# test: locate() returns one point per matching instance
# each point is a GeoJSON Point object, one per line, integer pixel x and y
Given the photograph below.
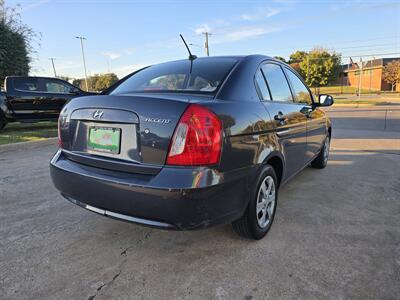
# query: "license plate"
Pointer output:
{"type": "Point", "coordinates": [104, 139]}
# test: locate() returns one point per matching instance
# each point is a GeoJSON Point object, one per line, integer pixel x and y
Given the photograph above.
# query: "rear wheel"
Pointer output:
{"type": "Point", "coordinates": [321, 160]}
{"type": "Point", "coordinates": [259, 215]}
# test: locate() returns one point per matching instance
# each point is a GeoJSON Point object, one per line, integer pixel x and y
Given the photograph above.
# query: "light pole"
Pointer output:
{"type": "Point", "coordinates": [54, 68]}
{"type": "Point", "coordinates": [108, 66]}
{"type": "Point", "coordinates": [81, 38]}
{"type": "Point", "coordinates": [360, 78]}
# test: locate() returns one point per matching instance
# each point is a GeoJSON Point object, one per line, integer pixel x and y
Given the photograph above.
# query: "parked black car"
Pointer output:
{"type": "Point", "coordinates": [30, 99]}
{"type": "Point", "coordinates": [192, 143]}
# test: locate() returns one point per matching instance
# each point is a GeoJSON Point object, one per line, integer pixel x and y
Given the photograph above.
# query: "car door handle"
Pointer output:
{"type": "Point", "coordinates": [280, 117]}
{"type": "Point", "coordinates": [307, 111]}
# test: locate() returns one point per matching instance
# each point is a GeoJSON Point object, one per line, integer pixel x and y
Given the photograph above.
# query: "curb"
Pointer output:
{"type": "Point", "coordinates": [363, 104]}
{"type": "Point", "coordinates": [28, 145]}
{"type": "Point", "coordinates": [351, 105]}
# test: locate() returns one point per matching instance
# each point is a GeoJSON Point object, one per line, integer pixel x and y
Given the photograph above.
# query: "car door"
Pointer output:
{"type": "Point", "coordinates": [25, 95]}
{"type": "Point", "coordinates": [289, 117]}
{"type": "Point", "coordinates": [316, 121]}
{"type": "Point", "coordinates": [58, 93]}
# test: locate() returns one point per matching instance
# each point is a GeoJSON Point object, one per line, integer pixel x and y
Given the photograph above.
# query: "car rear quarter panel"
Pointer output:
{"type": "Point", "coordinates": [249, 137]}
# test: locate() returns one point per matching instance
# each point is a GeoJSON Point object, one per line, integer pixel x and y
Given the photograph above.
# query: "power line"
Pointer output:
{"type": "Point", "coordinates": [338, 42]}
{"type": "Point", "coordinates": [367, 55]}
{"type": "Point", "coordinates": [366, 51]}
{"type": "Point", "coordinates": [367, 40]}
{"type": "Point", "coordinates": [349, 56]}
{"type": "Point", "coordinates": [366, 46]}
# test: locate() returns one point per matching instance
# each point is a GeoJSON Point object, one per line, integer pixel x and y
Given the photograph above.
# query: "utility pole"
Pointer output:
{"type": "Point", "coordinates": [206, 43]}
{"type": "Point", "coordinates": [360, 78]}
{"type": "Point", "coordinates": [54, 68]}
{"type": "Point", "coordinates": [81, 38]}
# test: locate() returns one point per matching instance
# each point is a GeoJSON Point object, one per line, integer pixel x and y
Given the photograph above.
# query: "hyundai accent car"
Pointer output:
{"type": "Point", "coordinates": [192, 143]}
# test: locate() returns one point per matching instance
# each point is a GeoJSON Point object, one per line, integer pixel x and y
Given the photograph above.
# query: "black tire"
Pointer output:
{"type": "Point", "coordinates": [321, 160]}
{"type": "Point", "coordinates": [248, 225]}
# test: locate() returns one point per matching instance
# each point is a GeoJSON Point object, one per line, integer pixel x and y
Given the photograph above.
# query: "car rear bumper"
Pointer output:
{"type": "Point", "coordinates": [175, 198]}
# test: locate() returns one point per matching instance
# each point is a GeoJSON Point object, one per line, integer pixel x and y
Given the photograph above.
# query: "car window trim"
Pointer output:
{"type": "Point", "coordinates": [258, 88]}
{"type": "Point", "coordinates": [26, 91]}
{"type": "Point", "coordinates": [266, 83]}
{"type": "Point", "coordinates": [39, 92]}
{"type": "Point", "coordinates": [286, 69]}
{"type": "Point", "coordinates": [220, 88]}
{"type": "Point", "coordinates": [41, 85]}
{"type": "Point", "coordinates": [268, 61]}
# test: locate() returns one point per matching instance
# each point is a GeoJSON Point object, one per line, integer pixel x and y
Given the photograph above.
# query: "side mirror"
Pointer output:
{"type": "Point", "coordinates": [325, 100]}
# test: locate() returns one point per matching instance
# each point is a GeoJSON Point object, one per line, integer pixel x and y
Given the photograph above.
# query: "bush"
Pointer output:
{"type": "Point", "coordinates": [15, 43]}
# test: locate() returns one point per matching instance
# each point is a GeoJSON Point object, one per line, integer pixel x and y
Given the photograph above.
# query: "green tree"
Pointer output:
{"type": "Point", "coordinates": [16, 40]}
{"type": "Point", "coordinates": [320, 67]}
{"type": "Point", "coordinates": [105, 80]}
{"type": "Point", "coordinates": [96, 82]}
{"type": "Point", "coordinates": [66, 78]}
{"type": "Point", "coordinates": [91, 82]}
{"type": "Point", "coordinates": [296, 66]}
{"type": "Point", "coordinates": [391, 73]}
{"type": "Point", "coordinates": [280, 58]}
{"type": "Point", "coordinates": [297, 57]}
{"type": "Point", "coordinates": [77, 82]}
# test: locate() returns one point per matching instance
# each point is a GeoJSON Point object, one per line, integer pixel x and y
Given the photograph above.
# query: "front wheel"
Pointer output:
{"type": "Point", "coordinates": [321, 160]}
{"type": "Point", "coordinates": [259, 215]}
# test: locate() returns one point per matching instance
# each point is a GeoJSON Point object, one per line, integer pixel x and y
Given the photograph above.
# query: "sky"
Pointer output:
{"type": "Point", "coordinates": [122, 36]}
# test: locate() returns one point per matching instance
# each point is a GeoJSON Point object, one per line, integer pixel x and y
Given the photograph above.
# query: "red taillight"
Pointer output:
{"type": "Point", "coordinates": [60, 143]}
{"type": "Point", "coordinates": [197, 138]}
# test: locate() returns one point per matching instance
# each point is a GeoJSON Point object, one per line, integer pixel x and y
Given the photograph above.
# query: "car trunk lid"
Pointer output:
{"type": "Point", "coordinates": [128, 133]}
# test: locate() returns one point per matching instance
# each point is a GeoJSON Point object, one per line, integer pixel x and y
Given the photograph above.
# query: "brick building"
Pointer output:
{"type": "Point", "coordinates": [371, 77]}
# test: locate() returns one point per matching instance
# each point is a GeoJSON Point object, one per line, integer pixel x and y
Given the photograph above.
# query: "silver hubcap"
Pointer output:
{"type": "Point", "coordinates": [326, 150]}
{"type": "Point", "coordinates": [266, 201]}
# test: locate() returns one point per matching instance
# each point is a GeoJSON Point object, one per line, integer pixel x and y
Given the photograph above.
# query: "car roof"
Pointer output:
{"type": "Point", "coordinates": [237, 57]}
{"type": "Point", "coordinates": [42, 77]}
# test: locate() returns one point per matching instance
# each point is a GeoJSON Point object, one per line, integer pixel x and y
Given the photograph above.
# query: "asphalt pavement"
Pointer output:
{"type": "Point", "coordinates": [336, 234]}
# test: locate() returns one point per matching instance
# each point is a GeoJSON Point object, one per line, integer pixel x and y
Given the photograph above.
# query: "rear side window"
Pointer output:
{"type": "Point", "coordinates": [277, 82]}
{"type": "Point", "coordinates": [203, 76]}
{"type": "Point", "coordinates": [53, 86]}
{"type": "Point", "coordinates": [301, 92]}
{"type": "Point", "coordinates": [262, 86]}
{"type": "Point", "coordinates": [27, 84]}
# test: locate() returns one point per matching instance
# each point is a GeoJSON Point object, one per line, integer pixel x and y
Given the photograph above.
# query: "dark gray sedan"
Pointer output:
{"type": "Point", "coordinates": [192, 143]}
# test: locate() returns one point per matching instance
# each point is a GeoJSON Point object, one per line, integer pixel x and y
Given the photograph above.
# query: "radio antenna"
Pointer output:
{"type": "Point", "coordinates": [191, 56]}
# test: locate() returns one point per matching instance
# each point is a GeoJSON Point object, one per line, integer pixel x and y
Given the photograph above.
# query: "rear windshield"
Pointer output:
{"type": "Point", "coordinates": [204, 76]}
